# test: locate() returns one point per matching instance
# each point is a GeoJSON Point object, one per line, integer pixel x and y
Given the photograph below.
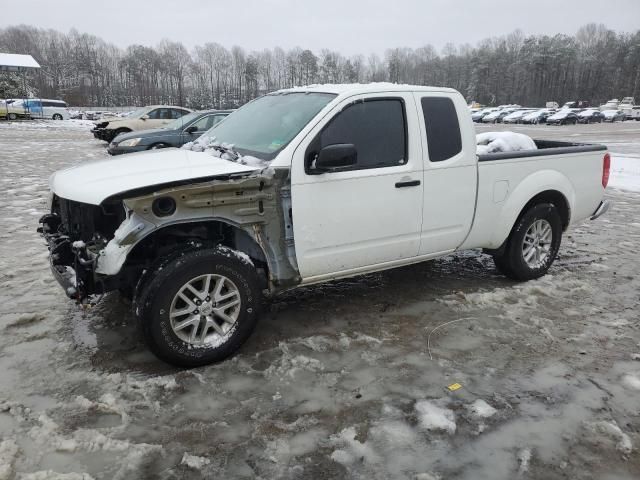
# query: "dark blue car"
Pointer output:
{"type": "Point", "coordinates": [175, 134]}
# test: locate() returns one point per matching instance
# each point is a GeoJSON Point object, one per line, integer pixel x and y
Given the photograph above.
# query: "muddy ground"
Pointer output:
{"type": "Point", "coordinates": [345, 380]}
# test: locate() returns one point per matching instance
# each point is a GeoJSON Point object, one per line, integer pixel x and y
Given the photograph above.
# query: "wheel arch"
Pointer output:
{"type": "Point", "coordinates": [545, 186]}
{"type": "Point", "coordinates": [196, 234]}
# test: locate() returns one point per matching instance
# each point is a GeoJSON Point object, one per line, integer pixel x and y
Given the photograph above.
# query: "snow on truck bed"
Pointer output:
{"type": "Point", "coordinates": [495, 142]}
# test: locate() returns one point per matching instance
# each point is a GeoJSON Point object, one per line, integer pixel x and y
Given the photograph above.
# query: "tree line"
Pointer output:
{"type": "Point", "coordinates": [595, 64]}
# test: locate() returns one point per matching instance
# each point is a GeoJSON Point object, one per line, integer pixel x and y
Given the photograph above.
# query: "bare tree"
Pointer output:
{"type": "Point", "coordinates": [595, 64]}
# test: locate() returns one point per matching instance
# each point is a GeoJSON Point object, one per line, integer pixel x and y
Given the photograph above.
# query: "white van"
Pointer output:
{"type": "Point", "coordinates": [44, 108]}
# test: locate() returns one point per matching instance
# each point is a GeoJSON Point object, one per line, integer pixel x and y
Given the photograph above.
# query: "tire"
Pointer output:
{"type": "Point", "coordinates": [57, 116]}
{"type": "Point", "coordinates": [12, 116]}
{"type": "Point", "coordinates": [119, 131]}
{"type": "Point", "coordinates": [512, 261]}
{"type": "Point", "coordinates": [156, 146]}
{"type": "Point", "coordinates": [170, 320]}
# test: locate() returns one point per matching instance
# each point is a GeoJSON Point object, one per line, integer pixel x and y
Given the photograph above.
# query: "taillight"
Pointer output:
{"type": "Point", "coordinates": [606, 166]}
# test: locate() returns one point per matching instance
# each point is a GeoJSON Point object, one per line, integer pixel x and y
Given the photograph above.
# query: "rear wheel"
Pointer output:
{"type": "Point", "coordinates": [57, 116]}
{"type": "Point", "coordinates": [12, 116]}
{"type": "Point", "coordinates": [200, 307]}
{"type": "Point", "coordinates": [532, 245]}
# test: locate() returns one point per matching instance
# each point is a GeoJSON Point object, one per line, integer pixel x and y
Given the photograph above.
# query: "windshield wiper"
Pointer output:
{"type": "Point", "coordinates": [226, 148]}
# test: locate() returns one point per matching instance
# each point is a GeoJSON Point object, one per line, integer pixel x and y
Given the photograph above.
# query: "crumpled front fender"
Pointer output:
{"type": "Point", "coordinates": [130, 232]}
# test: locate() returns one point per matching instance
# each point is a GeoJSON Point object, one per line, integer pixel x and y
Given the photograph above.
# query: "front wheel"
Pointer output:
{"type": "Point", "coordinates": [12, 116]}
{"type": "Point", "coordinates": [157, 146]}
{"type": "Point", "coordinates": [57, 116]}
{"type": "Point", "coordinates": [532, 245]}
{"type": "Point", "coordinates": [200, 307]}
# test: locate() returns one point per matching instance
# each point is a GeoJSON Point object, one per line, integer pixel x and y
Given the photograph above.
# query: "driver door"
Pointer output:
{"type": "Point", "coordinates": [370, 213]}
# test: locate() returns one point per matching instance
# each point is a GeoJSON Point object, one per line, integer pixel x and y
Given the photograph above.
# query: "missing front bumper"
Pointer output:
{"type": "Point", "coordinates": [70, 263]}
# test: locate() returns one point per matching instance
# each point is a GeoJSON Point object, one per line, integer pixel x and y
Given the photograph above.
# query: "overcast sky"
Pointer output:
{"type": "Point", "coordinates": [349, 26]}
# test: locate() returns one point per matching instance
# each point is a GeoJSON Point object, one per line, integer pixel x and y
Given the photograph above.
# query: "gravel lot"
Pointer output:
{"type": "Point", "coordinates": [345, 380]}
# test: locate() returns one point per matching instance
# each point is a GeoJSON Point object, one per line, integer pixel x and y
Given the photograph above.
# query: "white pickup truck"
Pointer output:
{"type": "Point", "coordinates": [303, 186]}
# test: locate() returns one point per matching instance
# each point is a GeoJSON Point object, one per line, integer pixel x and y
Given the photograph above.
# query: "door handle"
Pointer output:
{"type": "Point", "coordinates": [409, 183]}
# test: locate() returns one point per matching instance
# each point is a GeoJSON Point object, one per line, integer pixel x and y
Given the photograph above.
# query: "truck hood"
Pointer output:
{"type": "Point", "coordinates": [111, 121]}
{"type": "Point", "coordinates": [94, 181]}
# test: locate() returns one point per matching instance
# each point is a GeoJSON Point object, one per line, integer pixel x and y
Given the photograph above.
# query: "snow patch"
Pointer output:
{"type": "Point", "coordinates": [289, 365]}
{"type": "Point", "coordinates": [625, 173]}
{"type": "Point", "coordinates": [631, 381]}
{"type": "Point", "coordinates": [8, 454]}
{"type": "Point", "coordinates": [194, 462]}
{"type": "Point", "coordinates": [481, 409]}
{"type": "Point", "coordinates": [426, 476]}
{"type": "Point", "coordinates": [230, 252]}
{"type": "Point", "coordinates": [495, 142]}
{"type": "Point", "coordinates": [224, 151]}
{"type": "Point", "coordinates": [51, 475]}
{"type": "Point", "coordinates": [612, 431]}
{"type": "Point", "coordinates": [433, 417]}
{"type": "Point", "coordinates": [524, 457]}
{"type": "Point", "coordinates": [352, 449]}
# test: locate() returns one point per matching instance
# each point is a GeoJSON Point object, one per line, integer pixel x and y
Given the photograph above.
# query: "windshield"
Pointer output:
{"type": "Point", "coordinates": [138, 113]}
{"type": "Point", "coordinates": [182, 121]}
{"type": "Point", "coordinates": [265, 126]}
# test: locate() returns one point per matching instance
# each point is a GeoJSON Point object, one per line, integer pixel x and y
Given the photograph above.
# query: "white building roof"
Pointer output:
{"type": "Point", "coordinates": [13, 62]}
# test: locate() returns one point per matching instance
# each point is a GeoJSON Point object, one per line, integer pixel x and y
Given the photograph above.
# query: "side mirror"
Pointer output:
{"type": "Point", "coordinates": [144, 117]}
{"type": "Point", "coordinates": [191, 129]}
{"type": "Point", "coordinates": [333, 157]}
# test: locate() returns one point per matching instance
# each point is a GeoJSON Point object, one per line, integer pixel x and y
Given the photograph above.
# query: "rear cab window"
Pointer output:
{"type": "Point", "coordinates": [377, 127]}
{"type": "Point", "coordinates": [442, 128]}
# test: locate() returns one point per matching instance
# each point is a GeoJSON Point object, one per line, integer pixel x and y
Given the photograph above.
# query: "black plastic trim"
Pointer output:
{"type": "Point", "coordinates": [545, 147]}
{"type": "Point", "coordinates": [409, 183]}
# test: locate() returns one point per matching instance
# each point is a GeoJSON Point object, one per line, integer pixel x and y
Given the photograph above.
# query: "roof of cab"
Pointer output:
{"type": "Point", "coordinates": [359, 88]}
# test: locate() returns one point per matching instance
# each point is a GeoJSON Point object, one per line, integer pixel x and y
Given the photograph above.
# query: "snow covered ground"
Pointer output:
{"type": "Point", "coordinates": [345, 380]}
{"type": "Point", "coordinates": [625, 173]}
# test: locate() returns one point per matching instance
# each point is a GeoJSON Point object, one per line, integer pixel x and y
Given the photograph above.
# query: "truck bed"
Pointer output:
{"type": "Point", "coordinates": [545, 147]}
{"type": "Point", "coordinates": [507, 180]}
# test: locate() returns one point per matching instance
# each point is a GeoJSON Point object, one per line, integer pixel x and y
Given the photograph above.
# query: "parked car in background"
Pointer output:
{"type": "Point", "coordinates": [44, 108]}
{"type": "Point", "coordinates": [92, 114]}
{"type": "Point", "coordinates": [175, 134]}
{"type": "Point", "coordinates": [516, 117]}
{"type": "Point", "coordinates": [563, 117]}
{"type": "Point", "coordinates": [634, 113]}
{"type": "Point", "coordinates": [590, 115]}
{"type": "Point", "coordinates": [479, 115]}
{"type": "Point", "coordinates": [630, 109]}
{"type": "Point", "coordinates": [612, 104]}
{"type": "Point", "coordinates": [614, 116]}
{"type": "Point", "coordinates": [498, 115]}
{"type": "Point", "coordinates": [154, 116]}
{"type": "Point", "coordinates": [537, 116]}
{"type": "Point", "coordinates": [576, 104]}
{"type": "Point", "coordinates": [9, 111]}
{"type": "Point", "coordinates": [552, 105]}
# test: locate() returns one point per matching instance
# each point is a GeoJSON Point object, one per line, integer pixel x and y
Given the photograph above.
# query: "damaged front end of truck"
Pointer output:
{"type": "Point", "coordinates": [95, 249]}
